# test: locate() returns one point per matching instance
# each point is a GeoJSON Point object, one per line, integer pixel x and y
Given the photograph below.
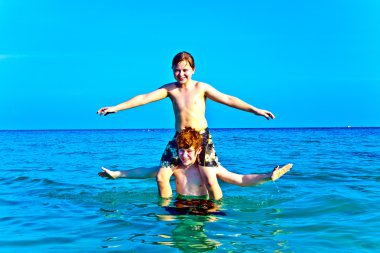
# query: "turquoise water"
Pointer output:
{"type": "Point", "coordinates": [51, 199]}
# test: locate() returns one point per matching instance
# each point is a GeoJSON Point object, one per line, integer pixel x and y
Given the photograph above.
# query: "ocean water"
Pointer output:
{"type": "Point", "coordinates": [51, 199]}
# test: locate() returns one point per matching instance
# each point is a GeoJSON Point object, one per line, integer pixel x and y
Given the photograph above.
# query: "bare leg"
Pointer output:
{"type": "Point", "coordinates": [209, 177]}
{"type": "Point", "coordinates": [163, 182]}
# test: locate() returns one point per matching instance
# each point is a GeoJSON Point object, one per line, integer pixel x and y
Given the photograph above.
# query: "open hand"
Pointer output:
{"type": "Point", "coordinates": [279, 172]}
{"type": "Point", "coordinates": [267, 114]}
{"type": "Point", "coordinates": [105, 110]}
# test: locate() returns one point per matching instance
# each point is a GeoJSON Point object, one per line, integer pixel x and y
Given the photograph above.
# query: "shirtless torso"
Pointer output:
{"type": "Point", "coordinates": [189, 181]}
{"type": "Point", "coordinates": [189, 105]}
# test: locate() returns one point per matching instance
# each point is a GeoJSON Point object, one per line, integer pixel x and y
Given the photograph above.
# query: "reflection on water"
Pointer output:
{"type": "Point", "coordinates": [189, 233]}
{"type": "Point", "coordinates": [195, 226]}
{"type": "Point", "coordinates": [190, 217]}
{"type": "Point", "coordinates": [182, 224]}
{"type": "Point", "coordinates": [195, 207]}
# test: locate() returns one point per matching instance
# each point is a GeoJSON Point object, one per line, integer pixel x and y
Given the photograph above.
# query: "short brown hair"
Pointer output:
{"type": "Point", "coordinates": [183, 56]}
{"type": "Point", "coordinates": [188, 138]}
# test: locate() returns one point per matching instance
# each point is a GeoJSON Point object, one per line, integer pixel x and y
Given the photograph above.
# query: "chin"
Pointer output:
{"type": "Point", "coordinates": [186, 163]}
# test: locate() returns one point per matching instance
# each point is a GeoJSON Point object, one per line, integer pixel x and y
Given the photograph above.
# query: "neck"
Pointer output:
{"type": "Point", "coordinates": [183, 85]}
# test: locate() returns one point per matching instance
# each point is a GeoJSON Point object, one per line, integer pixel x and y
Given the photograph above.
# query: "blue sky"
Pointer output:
{"type": "Point", "coordinates": [312, 63]}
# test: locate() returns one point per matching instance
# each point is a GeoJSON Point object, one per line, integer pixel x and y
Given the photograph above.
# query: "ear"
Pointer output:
{"type": "Point", "coordinates": [199, 150]}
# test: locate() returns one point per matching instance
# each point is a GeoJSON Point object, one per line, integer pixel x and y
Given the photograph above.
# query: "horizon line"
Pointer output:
{"type": "Point", "coordinates": [104, 129]}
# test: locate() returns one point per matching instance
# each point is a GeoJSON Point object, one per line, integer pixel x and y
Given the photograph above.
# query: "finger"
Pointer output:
{"type": "Point", "coordinates": [102, 111]}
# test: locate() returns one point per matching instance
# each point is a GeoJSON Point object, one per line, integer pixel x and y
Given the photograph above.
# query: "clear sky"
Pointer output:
{"type": "Point", "coordinates": [312, 63]}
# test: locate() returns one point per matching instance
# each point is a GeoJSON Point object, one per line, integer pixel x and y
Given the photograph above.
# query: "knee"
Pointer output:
{"type": "Point", "coordinates": [161, 176]}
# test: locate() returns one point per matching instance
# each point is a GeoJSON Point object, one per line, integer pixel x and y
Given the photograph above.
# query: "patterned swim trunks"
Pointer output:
{"type": "Point", "coordinates": [206, 158]}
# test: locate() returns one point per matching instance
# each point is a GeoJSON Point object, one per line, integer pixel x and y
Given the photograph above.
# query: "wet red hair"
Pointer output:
{"type": "Point", "coordinates": [188, 138]}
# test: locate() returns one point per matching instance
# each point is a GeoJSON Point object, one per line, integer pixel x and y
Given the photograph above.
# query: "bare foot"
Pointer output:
{"type": "Point", "coordinates": [279, 172]}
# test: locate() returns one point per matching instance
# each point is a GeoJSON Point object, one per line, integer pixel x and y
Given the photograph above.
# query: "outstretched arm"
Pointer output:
{"type": "Point", "coordinates": [235, 102]}
{"type": "Point", "coordinates": [251, 179]}
{"type": "Point", "coordinates": [139, 173]}
{"type": "Point", "coordinates": [139, 100]}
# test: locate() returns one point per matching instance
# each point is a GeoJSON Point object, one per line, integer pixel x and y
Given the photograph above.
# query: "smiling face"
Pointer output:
{"type": "Point", "coordinates": [183, 72]}
{"type": "Point", "coordinates": [188, 156]}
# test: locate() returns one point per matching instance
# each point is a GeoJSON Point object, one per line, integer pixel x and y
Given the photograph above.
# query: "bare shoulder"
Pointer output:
{"type": "Point", "coordinates": [204, 86]}
{"type": "Point", "coordinates": [211, 92]}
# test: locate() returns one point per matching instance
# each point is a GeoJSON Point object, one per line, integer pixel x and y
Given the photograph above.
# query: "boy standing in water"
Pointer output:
{"type": "Point", "coordinates": [189, 104]}
{"type": "Point", "coordinates": [189, 182]}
